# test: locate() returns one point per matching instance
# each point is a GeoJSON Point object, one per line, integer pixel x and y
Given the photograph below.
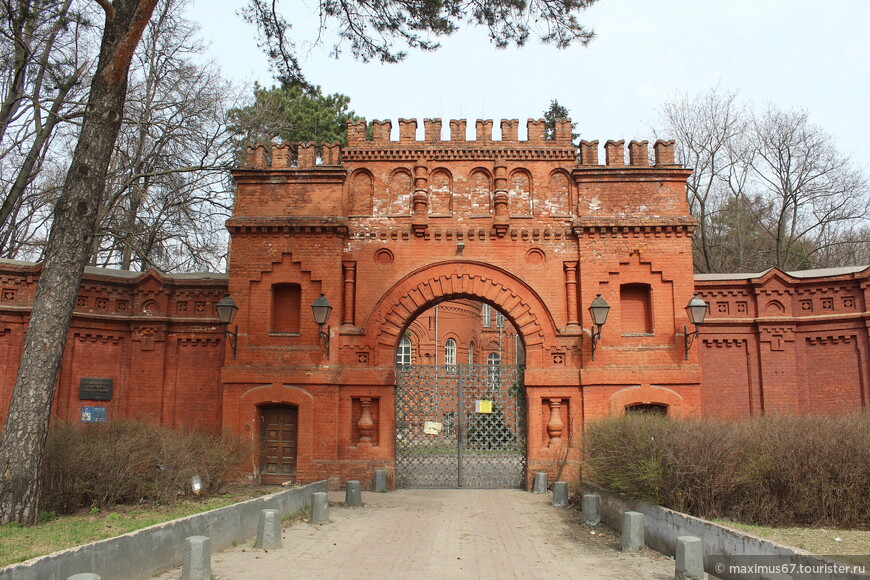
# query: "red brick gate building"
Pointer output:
{"type": "Point", "coordinates": [386, 230]}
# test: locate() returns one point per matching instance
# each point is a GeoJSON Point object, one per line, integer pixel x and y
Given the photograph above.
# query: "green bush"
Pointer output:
{"type": "Point", "coordinates": [773, 470]}
{"type": "Point", "coordinates": [103, 464]}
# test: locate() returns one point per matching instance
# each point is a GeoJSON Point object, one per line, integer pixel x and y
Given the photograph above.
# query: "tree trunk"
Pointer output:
{"type": "Point", "coordinates": [69, 244]}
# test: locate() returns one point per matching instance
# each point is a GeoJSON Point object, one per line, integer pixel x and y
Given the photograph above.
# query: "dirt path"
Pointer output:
{"type": "Point", "coordinates": [433, 534]}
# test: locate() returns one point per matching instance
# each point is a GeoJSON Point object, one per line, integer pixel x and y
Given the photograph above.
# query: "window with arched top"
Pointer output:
{"type": "Point", "coordinates": [471, 353]}
{"type": "Point", "coordinates": [519, 351]}
{"type": "Point", "coordinates": [403, 354]}
{"type": "Point", "coordinates": [450, 352]}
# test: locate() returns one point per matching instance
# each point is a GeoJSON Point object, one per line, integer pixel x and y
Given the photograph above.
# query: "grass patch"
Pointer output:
{"type": "Point", "coordinates": [845, 544]}
{"type": "Point", "coordinates": [18, 543]}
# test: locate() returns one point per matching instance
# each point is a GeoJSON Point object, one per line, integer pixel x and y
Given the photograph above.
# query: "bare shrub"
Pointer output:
{"type": "Point", "coordinates": [126, 461]}
{"type": "Point", "coordinates": [772, 470]}
{"type": "Point", "coordinates": [684, 465]}
{"type": "Point", "coordinates": [805, 470]}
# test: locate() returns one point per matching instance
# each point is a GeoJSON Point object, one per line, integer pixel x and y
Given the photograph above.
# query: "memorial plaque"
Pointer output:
{"type": "Point", "coordinates": [91, 389]}
{"type": "Point", "coordinates": [94, 414]}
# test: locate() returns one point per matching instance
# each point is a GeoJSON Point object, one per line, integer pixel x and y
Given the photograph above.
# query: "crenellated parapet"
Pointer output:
{"type": "Point", "coordinates": [382, 131]}
{"type": "Point", "coordinates": [293, 156]}
{"type": "Point", "coordinates": [374, 141]}
{"type": "Point", "coordinates": [638, 154]}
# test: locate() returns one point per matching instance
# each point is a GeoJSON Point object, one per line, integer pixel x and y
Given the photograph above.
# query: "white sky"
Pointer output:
{"type": "Point", "coordinates": [794, 53]}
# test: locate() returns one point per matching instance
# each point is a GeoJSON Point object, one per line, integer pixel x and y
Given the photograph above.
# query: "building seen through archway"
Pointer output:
{"type": "Point", "coordinates": [460, 399]}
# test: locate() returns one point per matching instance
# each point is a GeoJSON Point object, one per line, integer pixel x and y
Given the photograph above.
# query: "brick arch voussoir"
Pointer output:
{"type": "Point", "coordinates": [421, 289]}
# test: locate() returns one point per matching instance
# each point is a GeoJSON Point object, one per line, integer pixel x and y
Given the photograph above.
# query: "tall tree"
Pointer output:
{"type": "Point", "coordinates": [168, 194]}
{"type": "Point", "coordinates": [709, 130]}
{"type": "Point", "coordinates": [73, 227]}
{"type": "Point", "coordinates": [814, 189]}
{"type": "Point", "coordinates": [768, 189]}
{"type": "Point", "coordinates": [370, 28]}
{"type": "Point", "coordinates": [48, 46]}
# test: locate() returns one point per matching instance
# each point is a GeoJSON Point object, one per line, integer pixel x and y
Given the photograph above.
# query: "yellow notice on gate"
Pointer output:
{"type": "Point", "coordinates": [482, 406]}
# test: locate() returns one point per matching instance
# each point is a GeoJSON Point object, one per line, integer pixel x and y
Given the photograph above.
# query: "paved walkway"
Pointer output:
{"type": "Point", "coordinates": [434, 534]}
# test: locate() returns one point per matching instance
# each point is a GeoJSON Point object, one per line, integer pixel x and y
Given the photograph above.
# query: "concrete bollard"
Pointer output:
{"type": "Point", "coordinates": [84, 576]}
{"type": "Point", "coordinates": [591, 505]}
{"type": "Point", "coordinates": [560, 494]}
{"type": "Point", "coordinates": [632, 531]}
{"type": "Point", "coordinates": [689, 559]}
{"type": "Point", "coordinates": [319, 507]}
{"type": "Point", "coordinates": [380, 483]}
{"type": "Point", "coordinates": [353, 493]}
{"type": "Point", "coordinates": [540, 485]}
{"type": "Point", "coordinates": [197, 558]}
{"type": "Point", "coordinates": [269, 530]}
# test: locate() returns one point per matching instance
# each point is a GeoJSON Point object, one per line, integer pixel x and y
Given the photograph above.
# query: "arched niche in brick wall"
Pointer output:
{"type": "Point", "coordinates": [440, 192]}
{"type": "Point", "coordinates": [646, 395]}
{"type": "Point", "coordinates": [437, 283]}
{"type": "Point", "coordinates": [480, 192]}
{"type": "Point", "coordinates": [520, 193]}
{"type": "Point", "coordinates": [401, 184]}
{"type": "Point", "coordinates": [558, 200]}
{"type": "Point", "coordinates": [361, 194]}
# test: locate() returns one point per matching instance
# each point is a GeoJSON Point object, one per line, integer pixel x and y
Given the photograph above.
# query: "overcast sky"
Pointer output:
{"type": "Point", "coordinates": [794, 53]}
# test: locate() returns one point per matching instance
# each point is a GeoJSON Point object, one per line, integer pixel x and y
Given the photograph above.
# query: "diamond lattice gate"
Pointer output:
{"type": "Point", "coordinates": [460, 426]}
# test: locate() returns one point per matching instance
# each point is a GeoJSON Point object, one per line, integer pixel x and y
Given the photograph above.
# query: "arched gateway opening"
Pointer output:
{"type": "Point", "coordinates": [460, 424]}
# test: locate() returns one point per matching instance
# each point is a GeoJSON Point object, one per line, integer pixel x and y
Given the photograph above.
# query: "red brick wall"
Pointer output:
{"type": "Point", "coordinates": [781, 343]}
{"type": "Point", "coordinates": [156, 337]}
{"type": "Point", "coordinates": [517, 224]}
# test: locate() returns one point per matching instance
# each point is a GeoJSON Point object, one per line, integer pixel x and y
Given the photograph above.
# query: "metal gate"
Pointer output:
{"type": "Point", "coordinates": [460, 426]}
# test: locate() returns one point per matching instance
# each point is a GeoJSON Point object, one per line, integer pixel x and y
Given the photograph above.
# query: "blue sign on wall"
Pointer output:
{"type": "Point", "coordinates": [94, 415]}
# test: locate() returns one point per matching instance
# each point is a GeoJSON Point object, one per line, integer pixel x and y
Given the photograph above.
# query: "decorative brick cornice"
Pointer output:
{"type": "Point", "coordinates": [633, 227]}
{"type": "Point", "coordinates": [831, 339]}
{"type": "Point", "coordinates": [290, 175]}
{"type": "Point", "coordinates": [286, 225]}
{"type": "Point", "coordinates": [604, 173]}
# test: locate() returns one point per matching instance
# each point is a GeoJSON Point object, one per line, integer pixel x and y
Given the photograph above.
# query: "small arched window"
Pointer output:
{"type": "Point", "coordinates": [471, 353]}
{"type": "Point", "coordinates": [403, 355]}
{"type": "Point", "coordinates": [450, 352]}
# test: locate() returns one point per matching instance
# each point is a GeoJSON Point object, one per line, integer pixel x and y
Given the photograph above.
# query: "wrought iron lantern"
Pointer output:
{"type": "Point", "coordinates": [598, 310]}
{"type": "Point", "coordinates": [697, 311]}
{"type": "Point", "coordinates": [226, 311]}
{"type": "Point", "coordinates": [321, 310]}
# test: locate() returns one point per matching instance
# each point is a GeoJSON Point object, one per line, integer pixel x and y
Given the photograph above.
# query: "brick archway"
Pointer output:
{"type": "Point", "coordinates": [442, 281]}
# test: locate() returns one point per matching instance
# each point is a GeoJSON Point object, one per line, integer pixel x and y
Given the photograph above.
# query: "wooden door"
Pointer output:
{"type": "Point", "coordinates": [278, 435]}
